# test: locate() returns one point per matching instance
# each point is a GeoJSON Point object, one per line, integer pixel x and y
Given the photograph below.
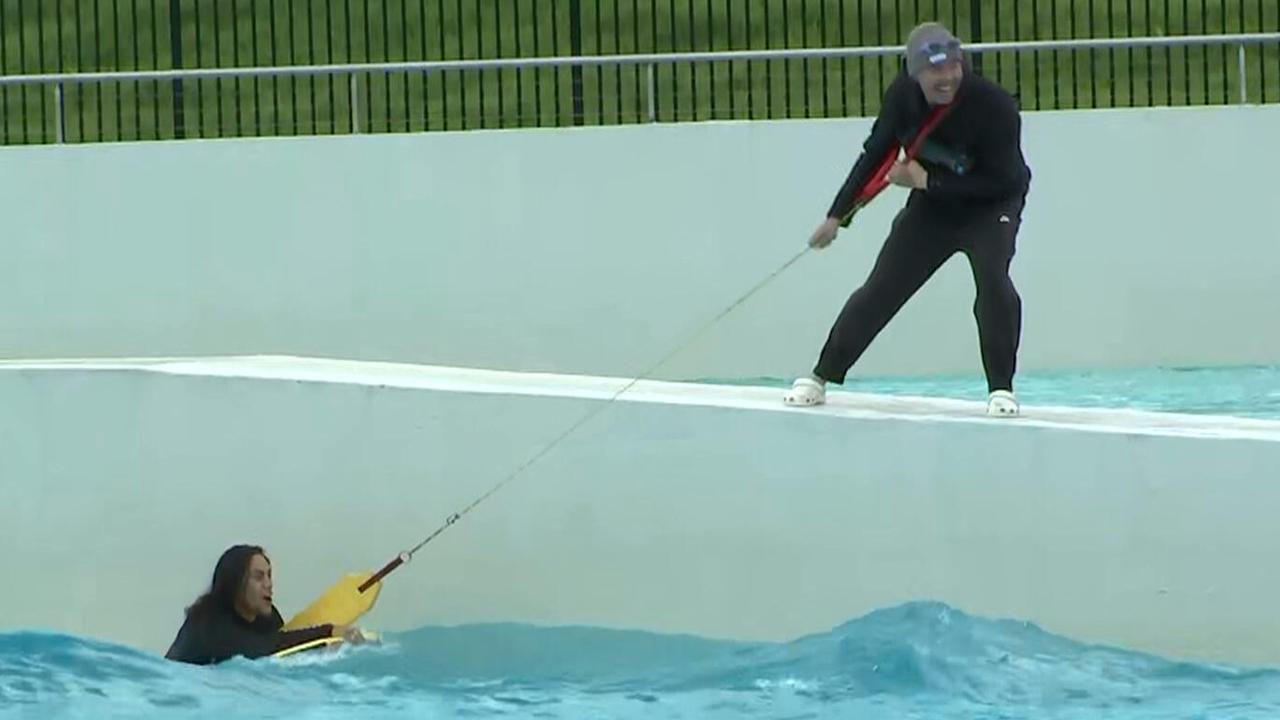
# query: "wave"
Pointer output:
{"type": "Point", "coordinates": [920, 657]}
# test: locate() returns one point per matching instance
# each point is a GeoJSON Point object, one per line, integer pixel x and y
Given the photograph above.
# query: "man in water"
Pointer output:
{"type": "Point", "coordinates": [968, 189]}
{"type": "Point", "coordinates": [237, 618]}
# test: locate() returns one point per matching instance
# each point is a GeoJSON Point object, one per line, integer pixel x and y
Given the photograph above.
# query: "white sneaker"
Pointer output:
{"type": "Point", "coordinates": [805, 392]}
{"type": "Point", "coordinates": [1002, 403]}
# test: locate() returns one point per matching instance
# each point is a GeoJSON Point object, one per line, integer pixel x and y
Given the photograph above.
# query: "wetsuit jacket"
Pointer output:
{"type": "Point", "coordinates": [222, 634]}
{"type": "Point", "coordinates": [973, 156]}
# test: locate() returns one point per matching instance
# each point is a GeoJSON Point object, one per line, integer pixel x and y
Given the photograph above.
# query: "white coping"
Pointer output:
{"type": "Point", "coordinates": [846, 405]}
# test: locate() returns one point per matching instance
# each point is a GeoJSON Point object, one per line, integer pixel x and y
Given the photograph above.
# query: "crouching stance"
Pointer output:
{"type": "Point", "coordinates": [969, 183]}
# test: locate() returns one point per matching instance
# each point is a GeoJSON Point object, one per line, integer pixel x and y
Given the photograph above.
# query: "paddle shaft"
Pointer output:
{"type": "Point", "coordinates": [399, 560]}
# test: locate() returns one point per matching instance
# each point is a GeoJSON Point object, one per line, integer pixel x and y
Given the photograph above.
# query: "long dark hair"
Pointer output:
{"type": "Point", "coordinates": [228, 580]}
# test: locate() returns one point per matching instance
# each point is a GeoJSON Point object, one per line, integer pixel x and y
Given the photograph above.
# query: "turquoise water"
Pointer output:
{"type": "Point", "coordinates": [918, 660]}
{"type": "Point", "coordinates": [1247, 391]}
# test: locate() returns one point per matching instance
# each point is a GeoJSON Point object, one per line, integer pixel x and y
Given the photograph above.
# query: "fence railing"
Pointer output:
{"type": "Point", "coordinates": [625, 88]}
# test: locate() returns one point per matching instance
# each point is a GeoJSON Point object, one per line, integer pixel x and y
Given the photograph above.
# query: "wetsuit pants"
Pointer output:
{"type": "Point", "coordinates": [919, 242]}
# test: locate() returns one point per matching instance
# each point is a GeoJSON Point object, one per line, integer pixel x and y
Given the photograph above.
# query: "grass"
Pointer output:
{"type": "Point", "coordinates": [93, 35]}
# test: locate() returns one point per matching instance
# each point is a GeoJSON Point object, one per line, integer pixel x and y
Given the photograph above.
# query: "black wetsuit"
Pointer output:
{"type": "Point", "coordinates": [223, 634]}
{"type": "Point", "coordinates": [978, 183]}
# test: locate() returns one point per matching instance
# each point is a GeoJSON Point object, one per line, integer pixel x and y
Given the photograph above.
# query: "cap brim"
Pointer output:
{"type": "Point", "coordinates": [943, 57]}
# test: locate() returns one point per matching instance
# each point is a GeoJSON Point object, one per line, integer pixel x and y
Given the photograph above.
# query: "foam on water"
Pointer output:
{"type": "Point", "coordinates": [920, 659]}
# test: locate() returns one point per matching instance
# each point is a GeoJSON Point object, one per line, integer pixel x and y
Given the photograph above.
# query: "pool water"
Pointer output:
{"type": "Point", "coordinates": [917, 660]}
{"type": "Point", "coordinates": [1241, 391]}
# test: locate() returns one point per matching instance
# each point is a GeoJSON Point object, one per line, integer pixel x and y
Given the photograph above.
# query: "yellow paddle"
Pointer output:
{"type": "Point", "coordinates": [347, 601]}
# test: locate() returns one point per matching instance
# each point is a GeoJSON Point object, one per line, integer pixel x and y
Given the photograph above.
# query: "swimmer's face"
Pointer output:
{"type": "Point", "coordinates": [256, 597]}
{"type": "Point", "coordinates": [941, 82]}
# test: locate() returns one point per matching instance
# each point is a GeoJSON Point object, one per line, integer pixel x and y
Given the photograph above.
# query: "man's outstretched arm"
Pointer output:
{"type": "Point", "coordinates": [879, 143]}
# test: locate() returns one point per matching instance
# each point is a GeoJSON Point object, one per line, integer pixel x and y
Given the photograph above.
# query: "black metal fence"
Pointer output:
{"type": "Point", "coordinates": [54, 36]}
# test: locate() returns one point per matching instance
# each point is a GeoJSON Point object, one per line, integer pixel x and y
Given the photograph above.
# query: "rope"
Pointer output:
{"type": "Point", "coordinates": [593, 412]}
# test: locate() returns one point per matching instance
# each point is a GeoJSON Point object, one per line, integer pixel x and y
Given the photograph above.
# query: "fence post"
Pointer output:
{"type": "Point", "coordinates": [575, 49]}
{"type": "Point", "coordinates": [355, 103]}
{"type": "Point", "coordinates": [652, 93]}
{"type": "Point", "coordinates": [975, 30]}
{"type": "Point", "coordinates": [175, 50]}
{"type": "Point", "coordinates": [59, 130]}
{"type": "Point", "coordinates": [1244, 78]}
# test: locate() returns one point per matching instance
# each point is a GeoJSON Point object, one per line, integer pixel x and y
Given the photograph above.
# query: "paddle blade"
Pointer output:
{"type": "Point", "coordinates": [341, 604]}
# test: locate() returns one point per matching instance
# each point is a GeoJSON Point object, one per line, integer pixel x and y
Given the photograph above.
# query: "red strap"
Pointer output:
{"type": "Point", "coordinates": [878, 181]}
